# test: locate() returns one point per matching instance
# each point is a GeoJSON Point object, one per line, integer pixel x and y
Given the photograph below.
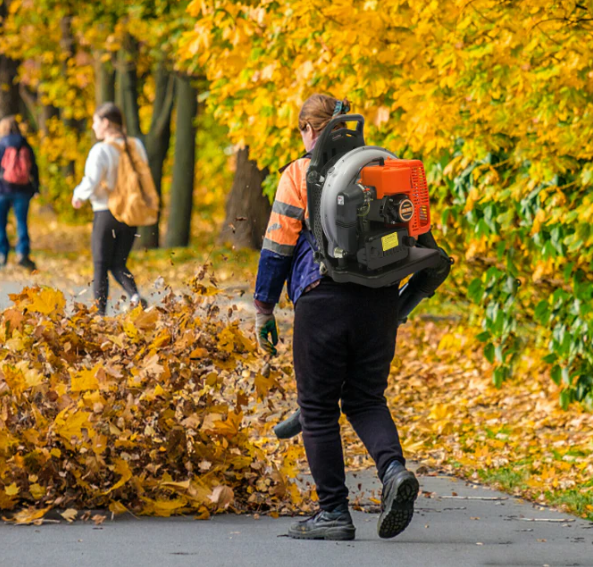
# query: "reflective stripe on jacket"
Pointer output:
{"type": "Point", "coordinates": [286, 253]}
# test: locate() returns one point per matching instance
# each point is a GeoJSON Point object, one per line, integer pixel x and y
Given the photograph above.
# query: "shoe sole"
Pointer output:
{"type": "Point", "coordinates": [399, 508]}
{"type": "Point", "coordinates": [334, 534]}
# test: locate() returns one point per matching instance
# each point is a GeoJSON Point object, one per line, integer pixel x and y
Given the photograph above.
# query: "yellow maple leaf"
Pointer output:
{"type": "Point", "coordinates": [71, 425]}
{"type": "Point", "coordinates": [47, 301]}
{"type": "Point", "coordinates": [120, 467]}
{"type": "Point", "coordinates": [117, 507]}
{"type": "Point", "coordinates": [12, 490]}
{"type": "Point", "coordinates": [85, 380]}
{"type": "Point", "coordinates": [69, 515]}
{"type": "Point", "coordinates": [162, 507]}
{"type": "Point", "coordinates": [29, 515]}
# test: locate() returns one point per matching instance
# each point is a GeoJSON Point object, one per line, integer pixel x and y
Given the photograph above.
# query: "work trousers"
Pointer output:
{"type": "Point", "coordinates": [111, 244]}
{"type": "Point", "coordinates": [344, 342]}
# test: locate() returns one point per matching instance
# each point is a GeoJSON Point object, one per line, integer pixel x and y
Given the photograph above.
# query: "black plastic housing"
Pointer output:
{"type": "Point", "coordinates": [330, 147]}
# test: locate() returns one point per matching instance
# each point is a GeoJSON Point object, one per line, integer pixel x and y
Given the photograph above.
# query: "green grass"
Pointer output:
{"type": "Point", "coordinates": [508, 478]}
{"type": "Point", "coordinates": [576, 501]}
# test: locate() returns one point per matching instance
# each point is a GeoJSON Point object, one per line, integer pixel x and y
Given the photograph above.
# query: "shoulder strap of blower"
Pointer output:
{"type": "Point", "coordinates": [287, 165]}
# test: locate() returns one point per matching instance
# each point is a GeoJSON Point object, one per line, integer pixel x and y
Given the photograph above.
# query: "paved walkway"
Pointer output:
{"type": "Point", "coordinates": [477, 527]}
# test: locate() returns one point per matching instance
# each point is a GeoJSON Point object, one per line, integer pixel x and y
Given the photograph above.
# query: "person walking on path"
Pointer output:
{"type": "Point", "coordinates": [111, 240]}
{"type": "Point", "coordinates": [19, 181]}
{"type": "Point", "coordinates": [344, 341]}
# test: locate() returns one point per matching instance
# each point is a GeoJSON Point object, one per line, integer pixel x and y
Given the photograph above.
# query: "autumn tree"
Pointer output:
{"type": "Point", "coordinates": [9, 94]}
{"type": "Point", "coordinates": [496, 98]}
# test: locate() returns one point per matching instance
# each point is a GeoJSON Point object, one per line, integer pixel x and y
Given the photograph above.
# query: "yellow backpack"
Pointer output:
{"type": "Point", "coordinates": [134, 200]}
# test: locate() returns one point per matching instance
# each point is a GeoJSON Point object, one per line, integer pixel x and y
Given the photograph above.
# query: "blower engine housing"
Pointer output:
{"type": "Point", "coordinates": [366, 209]}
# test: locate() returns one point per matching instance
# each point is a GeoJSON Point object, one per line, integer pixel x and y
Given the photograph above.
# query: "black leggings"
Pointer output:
{"type": "Point", "coordinates": [344, 341]}
{"type": "Point", "coordinates": [111, 243]}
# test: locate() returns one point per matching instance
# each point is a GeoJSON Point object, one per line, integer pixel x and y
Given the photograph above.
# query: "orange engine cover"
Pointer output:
{"type": "Point", "coordinates": [402, 176]}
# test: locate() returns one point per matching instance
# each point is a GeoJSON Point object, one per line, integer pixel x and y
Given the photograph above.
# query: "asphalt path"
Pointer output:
{"type": "Point", "coordinates": [455, 525]}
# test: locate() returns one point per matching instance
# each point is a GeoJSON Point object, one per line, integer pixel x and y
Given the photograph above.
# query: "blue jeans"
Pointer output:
{"type": "Point", "coordinates": [20, 203]}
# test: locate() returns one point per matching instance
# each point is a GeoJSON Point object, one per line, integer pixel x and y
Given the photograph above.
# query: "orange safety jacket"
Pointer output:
{"type": "Point", "coordinates": [287, 254]}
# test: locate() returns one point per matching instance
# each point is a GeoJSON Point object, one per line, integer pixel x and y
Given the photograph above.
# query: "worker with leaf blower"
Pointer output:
{"type": "Point", "coordinates": [348, 223]}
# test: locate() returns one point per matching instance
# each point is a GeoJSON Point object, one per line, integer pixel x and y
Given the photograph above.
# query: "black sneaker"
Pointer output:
{"type": "Point", "coordinates": [290, 427]}
{"type": "Point", "coordinates": [335, 525]}
{"type": "Point", "coordinates": [400, 490]}
{"type": "Point", "coordinates": [27, 263]}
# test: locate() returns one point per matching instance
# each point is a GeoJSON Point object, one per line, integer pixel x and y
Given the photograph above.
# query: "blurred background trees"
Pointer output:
{"type": "Point", "coordinates": [60, 59]}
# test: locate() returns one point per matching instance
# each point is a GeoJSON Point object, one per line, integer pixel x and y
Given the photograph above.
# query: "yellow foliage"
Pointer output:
{"type": "Point", "coordinates": [144, 412]}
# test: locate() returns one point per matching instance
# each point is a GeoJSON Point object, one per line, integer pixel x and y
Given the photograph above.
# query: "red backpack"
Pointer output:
{"type": "Point", "coordinates": [16, 165]}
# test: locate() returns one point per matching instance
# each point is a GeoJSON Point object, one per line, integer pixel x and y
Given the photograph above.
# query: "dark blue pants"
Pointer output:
{"type": "Point", "coordinates": [344, 342]}
{"type": "Point", "coordinates": [20, 203]}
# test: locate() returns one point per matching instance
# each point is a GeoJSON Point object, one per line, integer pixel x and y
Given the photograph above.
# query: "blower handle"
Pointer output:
{"type": "Point", "coordinates": [320, 154]}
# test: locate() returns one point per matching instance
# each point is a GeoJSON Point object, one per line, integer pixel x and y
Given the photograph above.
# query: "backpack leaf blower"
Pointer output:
{"type": "Point", "coordinates": [369, 215]}
{"type": "Point", "coordinates": [367, 209]}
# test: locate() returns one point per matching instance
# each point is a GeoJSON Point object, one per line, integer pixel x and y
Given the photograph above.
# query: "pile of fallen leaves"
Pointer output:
{"type": "Point", "coordinates": [151, 411]}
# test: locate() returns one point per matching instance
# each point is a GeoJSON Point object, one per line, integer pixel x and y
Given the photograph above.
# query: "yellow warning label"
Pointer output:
{"type": "Point", "coordinates": [390, 241]}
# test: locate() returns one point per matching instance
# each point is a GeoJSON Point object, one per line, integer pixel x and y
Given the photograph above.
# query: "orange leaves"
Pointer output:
{"type": "Point", "coordinates": [143, 412]}
{"type": "Point", "coordinates": [451, 417]}
{"type": "Point", "coordinates": [40, 300]}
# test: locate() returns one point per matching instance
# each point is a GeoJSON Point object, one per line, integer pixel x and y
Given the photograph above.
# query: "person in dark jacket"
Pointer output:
{"type": "Point", "coordinates": [344, 341]}
{"type": "Point", "coordinates": [19, 181]}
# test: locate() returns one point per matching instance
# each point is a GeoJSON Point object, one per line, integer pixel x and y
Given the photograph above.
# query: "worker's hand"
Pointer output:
{"type": "Point", "coordinates": [265, 326]}
{"type": "Point", "coordinates": [76, 203]}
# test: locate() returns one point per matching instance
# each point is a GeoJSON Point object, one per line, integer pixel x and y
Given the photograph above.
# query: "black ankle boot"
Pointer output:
{"type": "Point", "coordinates": [400, 490]}
{"type": "Point", "coordinates": [27, 263]}
{"type": "Point", "coordinates": [334, 525]}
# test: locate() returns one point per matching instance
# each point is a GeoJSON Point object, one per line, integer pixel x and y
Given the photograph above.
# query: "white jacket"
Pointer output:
{"type": "Point", "coordinates": [100, 173]}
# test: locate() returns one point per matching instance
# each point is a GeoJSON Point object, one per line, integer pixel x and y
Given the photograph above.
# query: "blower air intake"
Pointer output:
{"type": "Point", "coordinates": [366, 209]}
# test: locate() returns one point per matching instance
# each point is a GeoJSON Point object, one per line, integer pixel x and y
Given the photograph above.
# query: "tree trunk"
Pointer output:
{"type": "Point", "coordinates": [128, 87]}
{"type": "Point", "coordinates": [247, 210]}
{"type": "Point", "coordinates": [157, 143]}
{"type": "Point", "coordinates": [182, 189]}
{"type": "Point", "coordinates": [9, 89]}
{"type": "Point", "coordinates": [28, 107]}
{"type": "Point", "coordinates": [68, 47]}
{"type": "Point", "coordinates": [158, 138]}
{"type": "Point", "coordinates": [48, 111]}
{"type": "Point", "coordinates": [104, 80]}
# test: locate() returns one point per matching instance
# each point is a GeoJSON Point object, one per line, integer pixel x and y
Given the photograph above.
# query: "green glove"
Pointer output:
{"type": "Point", "coordinates": [265, 325]}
